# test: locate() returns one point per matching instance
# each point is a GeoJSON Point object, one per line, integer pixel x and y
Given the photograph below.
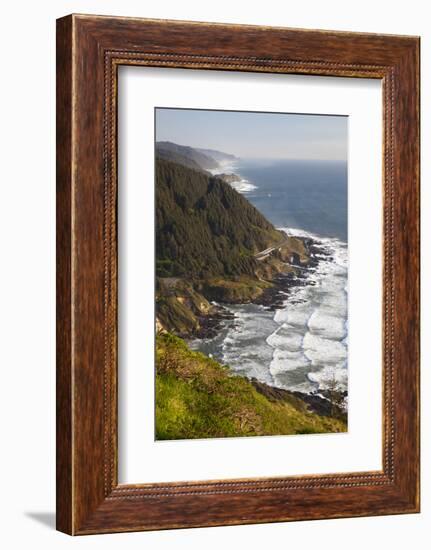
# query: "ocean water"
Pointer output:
{"type": "Point", "coordinates": [306, 195]}
{"type": "Point", "coordinates": [303, 345]}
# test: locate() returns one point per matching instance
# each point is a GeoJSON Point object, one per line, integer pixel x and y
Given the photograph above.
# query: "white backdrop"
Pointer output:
{"type": "Point", "coordinates": [27, 215]}
{"type": "Point", "coordinates": [141, 458]}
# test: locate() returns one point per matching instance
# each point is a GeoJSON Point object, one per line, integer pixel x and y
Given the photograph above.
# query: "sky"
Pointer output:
{"type": "Point", "coordinates": [256, 135]}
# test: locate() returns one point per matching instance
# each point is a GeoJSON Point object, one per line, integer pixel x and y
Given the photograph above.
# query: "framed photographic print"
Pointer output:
{"type": "Point", "coordinates": [237, 274]}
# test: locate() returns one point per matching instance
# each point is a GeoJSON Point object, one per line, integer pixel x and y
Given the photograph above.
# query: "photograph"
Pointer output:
{"type": "Point", "coordinates": [251, 282]}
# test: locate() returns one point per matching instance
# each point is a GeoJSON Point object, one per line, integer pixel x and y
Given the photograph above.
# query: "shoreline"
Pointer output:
{"type": "Point", "coordinates": [273, 289]}
{"type": "Point", "coordinates": [274, 299]}
{"type": "Point", "coordinates": [319, 404]}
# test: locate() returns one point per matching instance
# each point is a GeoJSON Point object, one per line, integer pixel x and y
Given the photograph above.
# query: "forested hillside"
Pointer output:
{"type": "Point", "coordinates": [173, 151]}
{"type": "Point", "coordinates": [173, 156]}
{"type": "Point", "coordinates": [204, 227]}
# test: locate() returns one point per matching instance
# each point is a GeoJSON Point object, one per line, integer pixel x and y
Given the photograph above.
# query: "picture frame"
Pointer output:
{"type": "Point", "coordinates": [89, 51]}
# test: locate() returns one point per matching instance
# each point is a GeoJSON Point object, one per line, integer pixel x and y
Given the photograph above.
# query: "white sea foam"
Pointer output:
{"type": "Point", "coordinates": [308, 347]}
{"type": "Point", "coordinates": [325, 322]}
{"type": "Point", "coordinates": [297, 315]}
{"type": "Point", "coordinates": [223, 168]}
{"type": "Point", "coordinates": [303, 345]}
{"type": "Point", "coordinates": [327, 375]}
{"type": "Point", "coordinates": [243, 348]}
{"type": "Point", "coordinates": [287, 360]}
{"type": "Point", "coordinates": [316, 316]}
{"type": "Point", "coordinates": [324, 351]}
{"type": "Point", "coordinates": [287, 339]}
{"type": "Point", "coordinates": [243, 186]}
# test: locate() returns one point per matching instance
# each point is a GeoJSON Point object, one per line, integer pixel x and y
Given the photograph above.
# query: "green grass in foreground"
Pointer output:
{"type": "Point", "coordinates": [196, 397]}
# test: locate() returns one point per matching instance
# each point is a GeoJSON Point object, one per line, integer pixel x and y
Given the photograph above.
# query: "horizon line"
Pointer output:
{"type": "Point", "coordinates": [250, 157]}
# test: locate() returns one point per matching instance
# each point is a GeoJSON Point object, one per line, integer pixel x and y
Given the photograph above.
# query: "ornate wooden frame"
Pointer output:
{"type": "Point", "coordinates": [89, 51]}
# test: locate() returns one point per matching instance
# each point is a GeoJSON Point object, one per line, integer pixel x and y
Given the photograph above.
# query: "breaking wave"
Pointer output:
{"type": "Point", "coordinates": [242, 186]}
{"type": "Point", "coordinates": [303, 345]}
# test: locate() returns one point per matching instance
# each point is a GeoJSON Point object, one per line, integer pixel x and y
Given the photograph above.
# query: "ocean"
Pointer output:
{"type": "Point", "coordinates": [307, 195]}
{"type": "Point", "coordinates": [303, 345]}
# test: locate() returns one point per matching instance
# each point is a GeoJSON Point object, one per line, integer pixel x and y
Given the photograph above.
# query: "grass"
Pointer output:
{"type": "Point", "coordinates": [196, 397]}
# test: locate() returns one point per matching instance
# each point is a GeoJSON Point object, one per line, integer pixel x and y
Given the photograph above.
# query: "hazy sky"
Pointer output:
{"type": "Point", "coordinates": [256, 135]}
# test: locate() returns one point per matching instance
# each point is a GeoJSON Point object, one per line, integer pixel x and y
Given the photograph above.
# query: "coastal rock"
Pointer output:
{"type": "Point", "coordinates": [323, 406]}
{"type": "Point", "coordinates": [229, 178]}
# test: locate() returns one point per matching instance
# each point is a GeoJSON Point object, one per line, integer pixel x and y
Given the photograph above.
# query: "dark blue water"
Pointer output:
{"type": "Point", "coordinates": [308, 195]}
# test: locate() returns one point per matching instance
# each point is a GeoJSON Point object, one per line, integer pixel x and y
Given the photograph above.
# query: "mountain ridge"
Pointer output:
{"type": "Point", "coordinates": [217, 155]}
{"type": "Point", "coordinates": [204, 227]}
{"type": "Point", "coordinates": [169, 149]}
{"type": "Point", "coordinates": [209, 243]}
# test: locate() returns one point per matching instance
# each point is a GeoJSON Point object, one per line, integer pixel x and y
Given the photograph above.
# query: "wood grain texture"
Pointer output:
{"type": "Point", "coordinates": [64, 495]}
{"type": "Point", "coordinates": [90, 49]}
